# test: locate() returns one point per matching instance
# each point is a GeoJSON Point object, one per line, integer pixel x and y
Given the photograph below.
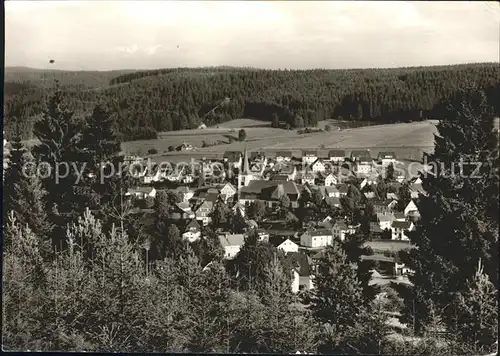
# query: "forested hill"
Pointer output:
{"type": "Point", "coordinates": [146, 102]}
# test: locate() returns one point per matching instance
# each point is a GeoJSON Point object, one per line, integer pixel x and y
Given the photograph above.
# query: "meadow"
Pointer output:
{"type": "Point", "coordinates": [409, 140]}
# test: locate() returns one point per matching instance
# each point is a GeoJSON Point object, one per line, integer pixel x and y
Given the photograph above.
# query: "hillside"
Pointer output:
{"type": "Point", "coordinates": [147, 102]}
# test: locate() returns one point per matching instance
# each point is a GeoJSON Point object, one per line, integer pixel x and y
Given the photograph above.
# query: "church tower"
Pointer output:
{"type": "Point", "coordinates": [245, 175]}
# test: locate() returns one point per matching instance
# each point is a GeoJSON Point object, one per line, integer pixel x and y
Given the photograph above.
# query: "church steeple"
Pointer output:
{"type": "Point", "coordinates": [246, 165]}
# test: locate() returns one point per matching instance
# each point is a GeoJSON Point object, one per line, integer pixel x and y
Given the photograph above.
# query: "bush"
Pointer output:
{"type": "Point", "coordinates": [171, 148]}
{"type": "Point", "coordinates": [152, 151]}
{"type": "Point", "coordinates": [242, 135]}
{"type": "Point", "coordinates": [328, 128]}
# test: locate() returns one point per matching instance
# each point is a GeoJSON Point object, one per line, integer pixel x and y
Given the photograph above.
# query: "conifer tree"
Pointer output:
{"type": "Point", "coordinates": [458, 225]}
{"type": "Point", "coordinates": [13, 173]}
{"type": "Point", "coordinates": [286, 328]}
{"type": "Point", "coordinates": [337, 296]}
{"type": "Point", "coordinates": [28, 203]}
{"type": "Point", "coordinates": [476, 313]}
{"type": "Point", "coordinates": [23, 290]}
{"type": "Point", "coordinates": [59, 133]}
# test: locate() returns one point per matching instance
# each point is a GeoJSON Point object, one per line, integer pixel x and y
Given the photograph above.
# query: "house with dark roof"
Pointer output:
{"type": "Point", "coordinates": [384, 206]}
{"type": "Point", "coordinates": [270, 192]}
{"type": "Point", "coordinates": [203, 212]}
{"type": "Point", "coordinates": [337, 155]}
{"type": "Point", "coordinates": [316, 238]}
{"type": "Point", "coordinates": [385, 220]}
{"type": "Point", "coordinates": [283, 243]}
{"type": "Point", "coordinates": [386, 157]}
{"type": "Point", "coordinates": [400, 228]}
{"type": "Point", "coordinates": [302, 271]}
{"type": "Point", "coordinates": [283, 156]}
{"type": "Point", "coordinates": [363, 156]}
{"type": "Point", "coordinates": [308, 157]}
{"type": "Point", "coordinates": [307, 178]}
{"type": "Point", "coordinates": [192, 231]}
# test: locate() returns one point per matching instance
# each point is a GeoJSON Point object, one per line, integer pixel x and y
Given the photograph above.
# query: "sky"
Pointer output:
{"type": "Point", "coordinates": [107, 35]}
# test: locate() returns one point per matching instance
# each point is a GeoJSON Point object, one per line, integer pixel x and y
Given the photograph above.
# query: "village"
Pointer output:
{"type": "Point", "coordinates": [266, 191]}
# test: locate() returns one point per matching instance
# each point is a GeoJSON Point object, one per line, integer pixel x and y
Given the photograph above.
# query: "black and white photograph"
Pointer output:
{"type": "Point", "coordinates": [251, 177]}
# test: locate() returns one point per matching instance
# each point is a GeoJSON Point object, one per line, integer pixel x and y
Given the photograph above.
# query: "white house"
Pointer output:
{"type": "Point", "coordinates": [142, 192]}
{"type": "Point", "coordinates": [411, 208]}
{"type": "Point", "coordinates": [337, 155]}
{"type": "Point", "coordinates": [203, 212]}
{"type": "Point", "coordinates": [318, 166]}
{"type": "Point", "coordinates": [228, 191]}
{"type": "Point", "coordinates": [290, 170]}
{"type": "Point", "coordinates": [387, 158]}
{"type": "Point", "coordinates": [308, 178]}
{"type": "Point", "coordinates": [385, 220]}
{"type": "Point", "coordinates": [308, 157]}
{"type": "Point", "coordinates": [330, 180]}
{"type": "Point", "coordinates": [339, 230]}
{"type": "Point", "coordinates": [302, 271]}
{"type": "Point", "coordinates": [192, 232]}
{"type": "Point", "coordinates": [232, 244]}
{"type": "Point", "coordinates": [316, 238]}
{"type": "Point", "coordinates": [288, 246]}
{"type": "Point", "coordinates": [283, 156]}
{"type": "Point", "coordinates": [399, 229]}
{"type": "Point", "coordinates": [363, 168]}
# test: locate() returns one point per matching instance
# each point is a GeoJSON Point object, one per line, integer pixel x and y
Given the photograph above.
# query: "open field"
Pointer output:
{"type": "Point", "coordinates": [388, 245]}
{"type": "Point", "coordinates": [408, 141]}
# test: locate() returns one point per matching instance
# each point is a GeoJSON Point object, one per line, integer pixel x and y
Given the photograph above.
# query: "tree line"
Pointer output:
{"type": "Point", "coordinates": [147, 102]}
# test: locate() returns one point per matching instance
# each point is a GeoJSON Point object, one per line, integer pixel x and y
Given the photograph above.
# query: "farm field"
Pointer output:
{"type": "Point", "coordinates": [408, 141]}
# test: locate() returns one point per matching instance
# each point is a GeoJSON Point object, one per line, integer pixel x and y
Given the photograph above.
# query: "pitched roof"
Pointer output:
{"type": "Point", "coordinates": [309, 153]}
{"type": "Point", "coordinates": [301, 262]}
{"type": "Point", "coordinates": [319, 232]}
{"type": "Point", "coordinates": [331, 189]}
{"type": "Point", "coordinates": [401, 224]}
{"type": "Point", "coordinates": [399, 215]}
{"type": "Point", "coordinates": [343, 188]}
{"type": "Point", "coordinates": [336, 153]}
{"type": "Point", "coordinates": [283, 154]}
{"type": "Point", "coordinates": [232, 240]}
{"type": "Point", "coordinates": [279, 178]}
{"type": "Point", "coordinates": [232, 155]}
{"type": "Point", "coordinates": [333, 201]}
{"type": "Point", "coordinates": [385, 217]}
{"type": "Point", "coordinates": [361, 155]}
{"type": "Point", "coordinates": [193, 224]}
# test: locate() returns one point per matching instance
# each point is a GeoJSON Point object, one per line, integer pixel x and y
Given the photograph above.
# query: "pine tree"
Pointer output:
{"type": "Point", "coordinates": [457, 226]}
{"type": "Point", "coordinates": [476, 313]}
{"type": "Point", "coordinates": [100, 150]}
{"type": "Point", "coordinates": [24, 288]}
{"type": "Point", "coordinates": [13, 173]}
{"type": "Point", "coordinates": [337, 296]}
{"type": "Point", "coordinates": [59, 133]}
{"type": "Point", "coordinates": [28, 203]}
{"type": "Point", "coordinates": [220, 215]}
{"type": "Point", "coordinates": [286, 329]}
{"type": "Point", "coordinates": [404, 197]}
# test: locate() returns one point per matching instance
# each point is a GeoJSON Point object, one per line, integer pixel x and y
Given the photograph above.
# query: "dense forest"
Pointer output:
{"type": "Point", "coordinates": [146, 102]}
